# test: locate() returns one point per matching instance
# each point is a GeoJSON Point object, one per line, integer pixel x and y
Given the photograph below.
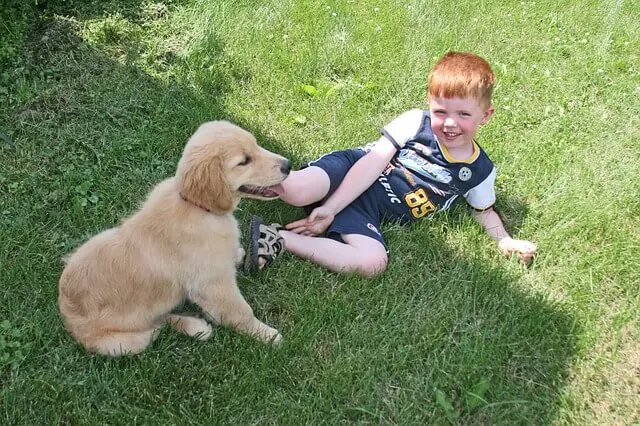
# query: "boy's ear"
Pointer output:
{"type": "Point", "coordinates": [487, 114]}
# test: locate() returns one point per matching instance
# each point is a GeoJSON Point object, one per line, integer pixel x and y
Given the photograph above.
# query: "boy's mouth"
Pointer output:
{"type": "Point", "coordinates": [451, 135]}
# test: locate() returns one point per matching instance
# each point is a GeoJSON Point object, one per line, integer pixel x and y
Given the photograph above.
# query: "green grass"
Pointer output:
{"type": "Point", "coordinates": [98, 98]}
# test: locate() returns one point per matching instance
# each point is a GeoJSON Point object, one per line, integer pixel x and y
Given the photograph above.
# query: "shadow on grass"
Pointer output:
{"type": "Point", "coordinates": [442, 336]}
{"type": "Point", "coordinates": [486, 331]}
{"type": "Point", "coordinates": [445, 335]}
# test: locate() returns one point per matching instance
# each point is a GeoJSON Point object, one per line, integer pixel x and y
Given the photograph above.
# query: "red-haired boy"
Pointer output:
{"type": "Point", "coordinates": [424, 161]}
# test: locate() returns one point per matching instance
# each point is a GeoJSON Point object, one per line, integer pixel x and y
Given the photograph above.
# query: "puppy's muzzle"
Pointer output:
{"type": "Point", "coordinates": [285, 167]}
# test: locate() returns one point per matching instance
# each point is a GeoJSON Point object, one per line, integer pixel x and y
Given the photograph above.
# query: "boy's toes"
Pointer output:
{"type": "Point", "coordinates": [262, 262]}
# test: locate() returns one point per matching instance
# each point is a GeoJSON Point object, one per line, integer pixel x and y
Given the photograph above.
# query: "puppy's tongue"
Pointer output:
{"type": "Point", "coordinates": [278, 189]}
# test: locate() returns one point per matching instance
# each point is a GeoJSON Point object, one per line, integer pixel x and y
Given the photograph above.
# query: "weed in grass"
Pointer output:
{"type": "Point", "coordinates": [13, 347]}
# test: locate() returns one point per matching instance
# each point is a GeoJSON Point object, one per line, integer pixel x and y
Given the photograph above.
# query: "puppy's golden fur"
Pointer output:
{"type": "Point", "coordinates": [119, 288]}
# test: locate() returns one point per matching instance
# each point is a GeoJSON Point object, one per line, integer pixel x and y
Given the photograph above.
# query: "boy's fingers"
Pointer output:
{"type": "Point", "coordinates": [299, 229]}
{"type": "Point", "coordinates": [297, 224]}
{"type": "Point", "coordinates": [527, 246]}
{"type": "Point", "coordinates": [523, 246]}
{"type": "Point", "coordinates": [527, 252]}
{"type": "Point", "coordinates": [526, 258]}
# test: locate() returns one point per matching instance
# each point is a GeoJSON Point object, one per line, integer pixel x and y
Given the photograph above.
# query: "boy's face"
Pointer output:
{"type": "Point", "coordinates": [455, 121]}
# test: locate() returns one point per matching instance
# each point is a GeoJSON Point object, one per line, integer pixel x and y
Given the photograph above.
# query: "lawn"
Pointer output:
{"type": "Point", "coordinates": [97, 99]}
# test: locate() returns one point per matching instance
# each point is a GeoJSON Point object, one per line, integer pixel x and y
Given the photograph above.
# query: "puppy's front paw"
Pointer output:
{"type": "Point", "coordinates": [204, 332]}
{"type": "Point", "coordinates": [277, 339]}
{"type": "Point", "coordinates": [270, 335]}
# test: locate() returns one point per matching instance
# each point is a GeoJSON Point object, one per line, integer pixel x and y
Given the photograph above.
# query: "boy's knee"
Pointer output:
{"type": "Point", "coordinates": [295, 194]}
{"type": "Point", "coordinates": [373, 265]}
{"type": "Point", "coordinates": [295, 197]}
{"type": "Point", "coordinates": [304, 187]}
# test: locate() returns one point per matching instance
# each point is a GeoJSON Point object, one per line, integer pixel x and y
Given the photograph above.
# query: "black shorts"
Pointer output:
{"type": "Point", "coordinates": [364, 215]}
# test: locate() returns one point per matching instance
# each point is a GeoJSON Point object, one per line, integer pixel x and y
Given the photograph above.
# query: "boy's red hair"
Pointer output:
{"type": "Point", "coordinates": [462, 75]}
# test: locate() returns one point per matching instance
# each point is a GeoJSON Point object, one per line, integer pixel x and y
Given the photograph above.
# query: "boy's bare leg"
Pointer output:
{"type": "Point", "coordinates": [306, 186]}
{"type": "Point", "coordinates": [358, 253]}
{"type": "Point", "coordinates": [302, 188]}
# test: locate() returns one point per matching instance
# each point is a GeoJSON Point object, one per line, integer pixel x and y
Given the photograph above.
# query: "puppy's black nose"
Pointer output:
{"type": "Point", "coordinates": [285, 167]}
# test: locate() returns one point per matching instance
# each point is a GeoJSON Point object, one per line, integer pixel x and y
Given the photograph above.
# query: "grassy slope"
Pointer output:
{"type": "Point", "coordinates": [97, 108]}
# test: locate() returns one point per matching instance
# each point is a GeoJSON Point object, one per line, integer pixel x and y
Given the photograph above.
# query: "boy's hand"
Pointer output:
{"type": "Point", "coordinates": [524, 248]}
{"type": "Point", "coordinates": [317, 222]}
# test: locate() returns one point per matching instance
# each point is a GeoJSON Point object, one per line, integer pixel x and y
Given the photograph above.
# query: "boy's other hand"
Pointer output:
{"type": "Point", "coordinates": [525, 249]}
{"type": "Point", "coordinates": [317, 222]}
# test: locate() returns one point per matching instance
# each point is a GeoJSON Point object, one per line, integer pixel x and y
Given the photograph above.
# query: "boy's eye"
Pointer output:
{"type": "Point", "coordinates": [245, 161]}
{"type": "Point", "coordinates": [465, 114]}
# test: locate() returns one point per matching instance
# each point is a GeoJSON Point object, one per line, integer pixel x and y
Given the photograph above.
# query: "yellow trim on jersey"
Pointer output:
{"type": "Point", "coordinates": [449, 158]}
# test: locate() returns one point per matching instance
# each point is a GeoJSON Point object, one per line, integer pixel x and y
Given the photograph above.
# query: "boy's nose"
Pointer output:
{"type": "Point", "coordinates": [449, 122]}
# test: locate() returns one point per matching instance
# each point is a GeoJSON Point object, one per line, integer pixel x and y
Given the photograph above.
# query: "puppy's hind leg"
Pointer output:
{"type": "Point", "coordinates": [191, 326]}
{"type": "Point", "coordinates": [240, 256]}
{"type": "Point", "coordinates": [117, 343]}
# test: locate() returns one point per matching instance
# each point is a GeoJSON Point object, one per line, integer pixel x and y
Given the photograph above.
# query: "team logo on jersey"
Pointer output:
{"type": "Point", "coordinates": [437, 172]}
{"type": "Point", "coordinates": [422, 166]}
{"type": "Point", "coordinates": [373, 228]}
{"type": "Point", "coordinates": [464, 174]}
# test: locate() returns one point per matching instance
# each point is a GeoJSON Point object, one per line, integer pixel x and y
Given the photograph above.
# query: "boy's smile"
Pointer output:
{"type": "Point", "coordinates": [455, 122]}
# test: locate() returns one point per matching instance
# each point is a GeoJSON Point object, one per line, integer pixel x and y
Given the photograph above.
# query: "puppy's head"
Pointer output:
{"type": "Point", "coordinates": [222, 163]}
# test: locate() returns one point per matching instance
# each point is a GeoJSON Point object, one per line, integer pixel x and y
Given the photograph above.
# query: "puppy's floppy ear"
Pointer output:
{"type": "Point", "coordinates": [202, 182]}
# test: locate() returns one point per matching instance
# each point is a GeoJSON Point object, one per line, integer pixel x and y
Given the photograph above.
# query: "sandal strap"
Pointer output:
{"type": "Point", "coordinates": [270, 243]}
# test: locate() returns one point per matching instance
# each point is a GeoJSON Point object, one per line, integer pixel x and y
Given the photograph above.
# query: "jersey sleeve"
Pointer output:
{"type": "Point", "coordinates": [483, 196]}
{"type": "Point", "coordinates": [404, 127]}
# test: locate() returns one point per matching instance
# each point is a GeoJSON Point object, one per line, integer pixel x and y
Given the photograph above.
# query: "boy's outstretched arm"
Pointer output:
{"type": "Point", "coordinates": [358, 179]}
{"type": "Point", "coordinates": [492, 223]}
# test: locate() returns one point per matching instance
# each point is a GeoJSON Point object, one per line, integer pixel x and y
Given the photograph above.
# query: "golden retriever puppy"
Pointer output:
{"type": "Point", "coordinates": [119, 288]}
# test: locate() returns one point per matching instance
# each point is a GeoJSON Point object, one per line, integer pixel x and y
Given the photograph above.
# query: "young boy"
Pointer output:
{"type": "Point", "coordinates": [424, 161]}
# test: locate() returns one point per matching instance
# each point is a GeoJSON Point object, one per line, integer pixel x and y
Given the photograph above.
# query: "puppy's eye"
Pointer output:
{"type": "Point", "coordinates": [245, 161]}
